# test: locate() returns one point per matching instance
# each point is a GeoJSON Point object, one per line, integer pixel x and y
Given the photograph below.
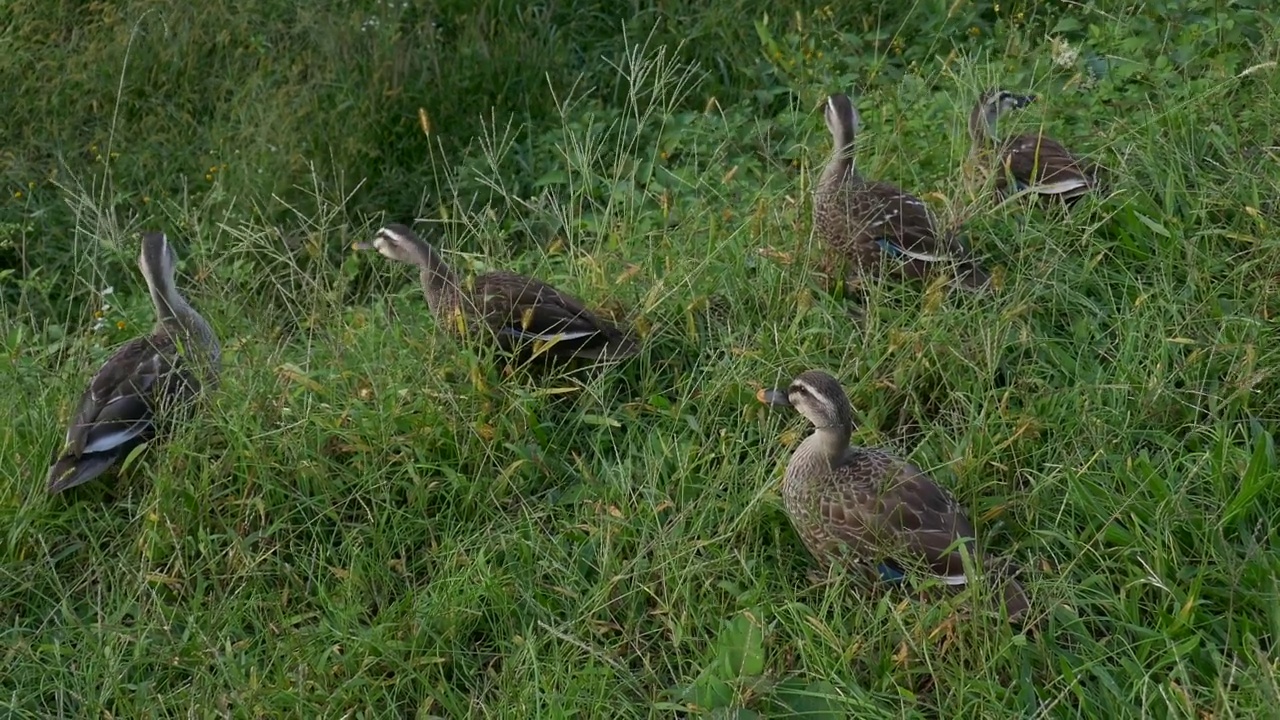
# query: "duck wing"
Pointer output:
{"type": "Point", "coordinates": [522, 309]}
{"type": "Point", "coordinates": [1044, 165]}
{"type": "Point", "coordinates": [904, 521]}
{"type": "Point", "coordinates": [886, 509]}
{"type": "Point", "coordinates": [896, 221]}
{"type": "Point", "coordinates": [926, 521]}
{"type": "Point", "coordinates": [899, 225]}
{"type": "Point", "coordinates": [116, 413]}
{"type": "Point", "coordinates": [931, 525]}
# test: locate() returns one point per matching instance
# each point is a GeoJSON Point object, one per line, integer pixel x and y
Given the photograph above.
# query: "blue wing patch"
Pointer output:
{"type": "Point", "coordinates": [890, 574]}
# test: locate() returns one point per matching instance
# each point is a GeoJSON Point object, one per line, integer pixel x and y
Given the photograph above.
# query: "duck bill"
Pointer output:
{"type": "Point", "coordinates": [777, 398]}
{"type": "Point", "coordinates": [361, 245]}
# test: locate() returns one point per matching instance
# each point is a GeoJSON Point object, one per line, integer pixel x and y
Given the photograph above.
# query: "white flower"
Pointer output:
{"type": "Point", "coordinates": [107, 290]}
{"type": "Point", "coordinates": [1063, 54]}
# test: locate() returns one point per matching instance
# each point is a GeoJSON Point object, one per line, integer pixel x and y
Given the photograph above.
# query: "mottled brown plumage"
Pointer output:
{"type": "Point", "coordinates": [524, 315]}
{"type": "Point", "coordinates": [867, 507]}
{"type": "Point", "coordinates": [1032, 161]}
{"type": "Point", "coordinates": [870, 223]}
{"type": "Point", "coordinates": [149, 383]}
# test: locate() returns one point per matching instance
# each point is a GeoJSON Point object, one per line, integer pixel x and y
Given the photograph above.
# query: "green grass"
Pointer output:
{"type": "Point", "coordinates": [371, 521]}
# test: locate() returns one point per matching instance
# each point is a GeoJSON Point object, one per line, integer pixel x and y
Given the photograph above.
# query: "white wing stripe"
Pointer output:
{"type": "Point", "coordinates": [547, 337]}
{"type": "Point", "coordinates": [922, 257]}
{"type": "Point", "coordinates": [1061, 187]}
{"type": "Point", "coordinates": [112, 440]}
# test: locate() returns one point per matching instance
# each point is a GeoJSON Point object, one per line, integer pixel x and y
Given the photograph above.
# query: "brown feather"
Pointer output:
{"type": "Point", "coordinates": [511, 303]}
{"type": "Point", "coordinates": [1037, 160]}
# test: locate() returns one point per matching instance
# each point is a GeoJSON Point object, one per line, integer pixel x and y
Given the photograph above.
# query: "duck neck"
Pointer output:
{"type": "Point", "coordinates": [828, 442]}
{"type": "Point", "coordinates": [177, 316]}
{"type": "Point", "coordinates": [982, 127]}
{"type": "Point", "coordinates": [172, 310]}
{"type": "Point", "coordinates": [438, 281]}
{"type": "Point", "coordinates": [840, 167]}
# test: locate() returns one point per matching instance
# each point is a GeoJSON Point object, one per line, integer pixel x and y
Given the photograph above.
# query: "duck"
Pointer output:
{"type": "Point", "coordinates": [525, 316]}
{"type": "Point", "coordinates": [148, 384]}
{"type": "Point", "coordinates": [867, 506]}
{"type": "Point", "coordinates": [1034, 162]}
{"type": "Point", "coordinates": [871, 222]}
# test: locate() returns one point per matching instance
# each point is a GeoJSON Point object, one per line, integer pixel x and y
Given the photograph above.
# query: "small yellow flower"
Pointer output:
{"type": "Point", "coordinates": [31, 184]}
{"type": "Point", "coordinates": [119, 324]}
{"type": "Point", "coordinates": [97, 314]}
{"type": "Point", "coordinates": [208, 177]}
{"type": "Point", "coordinates": [146, 199]}
{"type": "Point", "coordinates": [18, 194]}
{"type": "Point", "coordinates": [974, 31]}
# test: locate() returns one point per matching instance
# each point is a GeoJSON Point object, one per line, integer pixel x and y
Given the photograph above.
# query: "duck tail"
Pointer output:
{"type": "Point", "coordinates": [1015, 600]}
{"type": "Point", "coordinates": [613, 345]}
{"type": "Point", "coordinates": [1099, 176]}
{"type": "Point", "coordinates": [1003, 572]}
{"type": "Point", "coordinates": [70, 470]}
{"type": "Point", "coordinates": [971, 276]}
{"type": "Point", "coordinates": [622, 346]}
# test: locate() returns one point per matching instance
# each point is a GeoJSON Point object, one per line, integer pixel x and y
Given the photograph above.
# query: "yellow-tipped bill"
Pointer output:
{"type": "Point", "coordinates": [772, 397]}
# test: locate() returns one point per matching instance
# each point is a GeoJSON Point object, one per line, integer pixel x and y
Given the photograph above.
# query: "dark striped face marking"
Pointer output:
{"type": "Point", "coordinates": [998, 101]}
{"type": "Point", "coordinates": [819, 397]}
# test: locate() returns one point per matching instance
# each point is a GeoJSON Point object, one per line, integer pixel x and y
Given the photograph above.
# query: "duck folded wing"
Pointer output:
{"type": "Point", "coordinates": [907, 522]}
{"type": "Point", "coordinates": [928, 524]}
{"type": "Point", "coordinates": [528, 310]}
{"type": "Point", "coordinates": [900, 225]}
{"type": "Point", "coordinates": [1044, 165]}
{"type": "Point", "coordinates": [925, 523]}
{"type": "Point", "coordinates": [116, 408]}
{"type": "Point", "coordinates": [117, 411]}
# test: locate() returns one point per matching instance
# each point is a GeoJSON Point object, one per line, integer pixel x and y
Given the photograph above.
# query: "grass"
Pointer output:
{"type": "Point", "coordinates": [372, 521]}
